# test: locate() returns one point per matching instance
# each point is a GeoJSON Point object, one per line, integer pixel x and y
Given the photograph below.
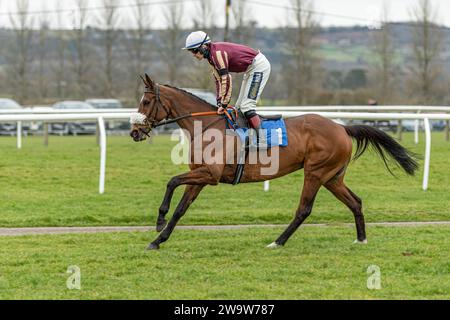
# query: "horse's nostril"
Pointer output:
{"type": "Point", "coordinates": [134, 134]}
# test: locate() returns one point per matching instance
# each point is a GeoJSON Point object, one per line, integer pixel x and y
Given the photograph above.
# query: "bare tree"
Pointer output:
{"type": "Point", "coordinates": [384, 67]}
{"type": "Point", "coordinates": [142, 19]}
{"type": "Point", "coordinates": [301, 69]}
{"type": "Point", "coordinates": [109, 20]}
{"type": "Point", "coordinates": [44, 27]}
{"type": "Point", "coordinates": [244, 25]}
{"type": "Point", "coordinates": [80, 62]}
{"type": "Point", "coordinates": [59, 68]}
{"type": "Point", "coordinates": [170, 50]}
{"type": "Point", "coordinates": [207, 15]}
{"type": "Point", "coordinates": [21, 58]}
{"type": "Point", "coordinates": [205, 21]}
{"type": "Point", "coordinates": [426, 46]}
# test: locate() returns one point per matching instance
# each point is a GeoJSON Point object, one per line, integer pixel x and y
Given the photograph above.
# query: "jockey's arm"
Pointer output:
{"type": "Point", "coordinates": [226, 85]}
{"type": "Point", "coordinates": [223, 77]}
{"type": "Point", "coordinates": [217, 81]}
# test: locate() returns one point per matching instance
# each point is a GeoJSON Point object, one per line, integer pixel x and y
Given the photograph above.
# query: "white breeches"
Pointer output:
{"type": "Point", "coordinates": [253, 83]}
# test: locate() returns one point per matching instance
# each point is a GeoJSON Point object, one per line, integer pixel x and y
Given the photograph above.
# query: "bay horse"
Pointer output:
{"type": "Point", "coordinates": [320, 146]}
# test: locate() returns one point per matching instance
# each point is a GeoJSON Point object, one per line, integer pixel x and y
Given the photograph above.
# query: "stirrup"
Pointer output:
{"type": "Point", "coordinates": [242, 157]}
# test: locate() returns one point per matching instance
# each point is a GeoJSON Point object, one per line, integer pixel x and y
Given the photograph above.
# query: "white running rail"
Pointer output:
{"type": "Point", "coordinates": [100, 117]}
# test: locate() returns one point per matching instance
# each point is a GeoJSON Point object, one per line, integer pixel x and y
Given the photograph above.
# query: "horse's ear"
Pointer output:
{"type": "Point", "coordinates": [143, 80]}
{"type": "Point", "coordinates": [149, 82]}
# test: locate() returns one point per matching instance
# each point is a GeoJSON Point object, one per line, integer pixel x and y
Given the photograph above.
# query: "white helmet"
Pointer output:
{"type": "Point", "coordinates": [196, 39]}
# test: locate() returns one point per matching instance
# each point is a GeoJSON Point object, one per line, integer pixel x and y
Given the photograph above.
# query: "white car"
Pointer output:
{"type": "Point", "coordinates": [8, 128]}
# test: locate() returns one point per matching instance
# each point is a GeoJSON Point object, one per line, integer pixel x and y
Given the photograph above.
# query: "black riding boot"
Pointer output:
{"type": "Point", "coordinates": [254, 123]}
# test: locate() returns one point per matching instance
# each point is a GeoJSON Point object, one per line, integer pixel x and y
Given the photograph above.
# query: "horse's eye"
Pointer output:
{"type": "Point", "coordinates": [146, 103]}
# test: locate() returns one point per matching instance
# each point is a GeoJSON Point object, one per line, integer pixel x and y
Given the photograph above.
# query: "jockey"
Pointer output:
{"type": "Point", "coordinates": [225, 57]}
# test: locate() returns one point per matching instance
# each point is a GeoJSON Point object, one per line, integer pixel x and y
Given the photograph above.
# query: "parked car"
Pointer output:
{"type": "Point", "coordinates": [407, 125]}
{"type": "Point", "coordinates": [410, 125]}
{"type": "Point", "coordinates": [10, 128]}
{"type": "Point", "coordinates": [110, 104]}
{"type": "Point", "coordinates": [105, 103]}
{"type": "Point", "coordinates": [73, 128]}
{"type": "Point", "coordinates": [9, 104]}
{"type": "Point", "coordinates": [438, 125]}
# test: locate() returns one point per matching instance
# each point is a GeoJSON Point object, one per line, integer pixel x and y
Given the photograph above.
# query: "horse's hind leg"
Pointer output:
{"type": "Point", "coordinates": [310, 187]}
{"type": "Point", "coordinates": [353, 202]}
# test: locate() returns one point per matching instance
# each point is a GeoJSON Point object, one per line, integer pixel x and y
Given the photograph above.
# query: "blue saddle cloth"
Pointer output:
{"type": "Point", "coordinates": [273, 133]}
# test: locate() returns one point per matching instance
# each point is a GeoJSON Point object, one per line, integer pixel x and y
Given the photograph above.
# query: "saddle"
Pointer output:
{"type": "Point", "coordinates": [273, 117]}
{"type": "Point", "coordinates": [241, 122]}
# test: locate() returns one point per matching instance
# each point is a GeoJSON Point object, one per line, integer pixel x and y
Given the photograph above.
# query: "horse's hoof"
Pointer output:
{"type": "Point", "coordinates": [160, 225]}
{"type": "Point", "coordinates": [273, 245]}
{"type": "Point", "coordinates": [360, 242]}
{"type": "Point", "coordinates": [153, 246]}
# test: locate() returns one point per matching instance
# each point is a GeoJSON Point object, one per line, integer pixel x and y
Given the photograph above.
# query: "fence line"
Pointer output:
{"type": "Point", "coordinates": [356, 108]}
{"type": "Point", "coordinates": [48, 110]}
{"type": "Point", "coordinates": [100, 117]}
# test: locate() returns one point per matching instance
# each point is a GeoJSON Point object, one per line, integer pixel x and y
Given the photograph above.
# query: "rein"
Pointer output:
{"type": "Point", "coordinates": [189, 115]}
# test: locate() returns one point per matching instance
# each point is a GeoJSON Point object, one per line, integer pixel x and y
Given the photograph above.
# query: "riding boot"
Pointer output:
{"type": "Point", "coordinates": [254, 123]}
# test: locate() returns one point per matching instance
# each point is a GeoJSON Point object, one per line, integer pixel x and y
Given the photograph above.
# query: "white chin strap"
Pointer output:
{"type": "Point", "coordinates": [138, 118]}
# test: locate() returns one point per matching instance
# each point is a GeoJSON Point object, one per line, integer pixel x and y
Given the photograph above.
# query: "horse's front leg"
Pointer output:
{"type": "Point", "coordinates": [190, 194]}
{"type": "Point", "coordinates": [199, 176]}
{"type": "Point", "coordinates": [165, 205]}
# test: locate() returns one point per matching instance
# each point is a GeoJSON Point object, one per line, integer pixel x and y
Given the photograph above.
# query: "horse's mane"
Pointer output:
{"type": "Point", "coordinates": [191, 95]}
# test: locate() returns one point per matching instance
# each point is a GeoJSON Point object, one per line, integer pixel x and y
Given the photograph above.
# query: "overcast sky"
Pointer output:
{"type": "Point", "coordinates": [267, 13]}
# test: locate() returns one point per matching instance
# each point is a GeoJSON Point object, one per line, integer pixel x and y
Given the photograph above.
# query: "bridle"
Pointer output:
{"type": "Point", "coordinates": [153, 123]}
{"type": "Point", "coordinates": [159, 103]}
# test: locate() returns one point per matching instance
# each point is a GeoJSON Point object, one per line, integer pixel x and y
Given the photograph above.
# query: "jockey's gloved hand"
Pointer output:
{"type": "Point", "coordinates": [222, 108]}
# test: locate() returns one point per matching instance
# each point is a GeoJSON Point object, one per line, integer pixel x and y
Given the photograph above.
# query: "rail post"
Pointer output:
{"type": "Point", "coordinates": [101, 125]}
{"type": "Point", "coordinates": [45, 129]}
{"type": "Point", "coordinates": [399, 130]}
{"type": "Point", "coordinates": [426, 169]}
{"type": "Point", "coordinates": [447, 133]}
{"type": "Point", "coordinates": [19, 134]}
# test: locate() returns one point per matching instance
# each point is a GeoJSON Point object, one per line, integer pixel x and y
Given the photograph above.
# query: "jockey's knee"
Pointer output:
{"type": "Point", "coordinates": [246, 107]}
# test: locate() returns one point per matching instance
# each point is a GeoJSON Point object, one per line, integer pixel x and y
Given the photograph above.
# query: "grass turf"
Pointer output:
{"type": "Point", "coordinates": [317, 263]}
{"type": "Point", "coordinates": [58, 186]}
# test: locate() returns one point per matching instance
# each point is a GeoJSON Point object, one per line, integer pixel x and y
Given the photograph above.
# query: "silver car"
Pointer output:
{"type": "Point", "coordinates": [110, 104]}
{"type": "Point", "coordinates": [73, 128]}
{"type": "Point", "coordinates": [105, 103]}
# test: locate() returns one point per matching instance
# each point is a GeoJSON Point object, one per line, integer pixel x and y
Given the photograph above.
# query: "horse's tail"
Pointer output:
{"type": "Point", "coordinates": [382, 143]}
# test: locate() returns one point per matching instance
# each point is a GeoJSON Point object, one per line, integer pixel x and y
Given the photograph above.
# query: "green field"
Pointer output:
{"type": "Point", "coordinates": [317, 263]}
{"type": "Point", "coordinates": [355, 54]}
{"type": "Point", "coordinates": [58, 186]}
